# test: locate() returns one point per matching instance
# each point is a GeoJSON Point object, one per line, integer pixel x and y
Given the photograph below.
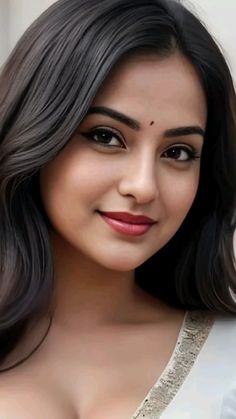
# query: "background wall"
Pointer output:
{"type": "Point", "coordinates": [219, 16]}
{"type": "Point", "coordinates": [4, 30]}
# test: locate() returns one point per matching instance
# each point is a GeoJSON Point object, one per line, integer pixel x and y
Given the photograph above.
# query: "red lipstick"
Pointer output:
{"type": "Point", "coordinates": [124, 222]}
{"type": "Point", "coordinates": [129, 218]}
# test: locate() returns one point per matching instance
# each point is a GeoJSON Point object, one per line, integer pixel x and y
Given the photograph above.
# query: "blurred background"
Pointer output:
{"type": "Point", "coordinates": [218, 15]}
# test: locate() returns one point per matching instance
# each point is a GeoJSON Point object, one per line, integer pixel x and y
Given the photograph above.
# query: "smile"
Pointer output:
{"type": "Point", "coordinates": [129, 226]}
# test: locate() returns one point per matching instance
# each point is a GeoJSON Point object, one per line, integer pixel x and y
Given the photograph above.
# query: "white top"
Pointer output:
{"type": "Point", "coordinates": [199, 381]}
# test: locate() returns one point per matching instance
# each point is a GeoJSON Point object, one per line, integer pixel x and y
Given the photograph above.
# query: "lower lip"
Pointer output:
{"type": "Point", "coordinates": [127, 228]}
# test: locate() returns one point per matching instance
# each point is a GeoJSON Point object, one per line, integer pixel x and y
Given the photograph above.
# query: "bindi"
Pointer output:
{"type": "Point", "coordinates": [152, 122]}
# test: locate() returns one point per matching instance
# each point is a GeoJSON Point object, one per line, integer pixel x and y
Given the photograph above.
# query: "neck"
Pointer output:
{"type": "Point", "coordinates": [88, 294]}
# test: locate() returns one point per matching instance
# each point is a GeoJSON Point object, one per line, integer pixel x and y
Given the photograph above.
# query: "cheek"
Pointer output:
{"type": "Point", "coordinates": [70, 181]}
{"type": "Point", "coordinates": [55, 187]}
{"type": "Point", "coordinates": [179, 192]}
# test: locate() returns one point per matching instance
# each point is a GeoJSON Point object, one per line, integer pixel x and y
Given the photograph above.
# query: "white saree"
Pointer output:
{"type": "Point", "coordinates": [199, 381]}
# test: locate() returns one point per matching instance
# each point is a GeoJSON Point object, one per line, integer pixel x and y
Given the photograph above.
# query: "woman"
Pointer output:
{"type": "Point", "coordinates": [118, 188]}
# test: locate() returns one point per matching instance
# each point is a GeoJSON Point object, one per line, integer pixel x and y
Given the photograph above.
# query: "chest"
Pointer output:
{"type": "Point", "coordinates": [109, 379]}
{"type": "Point", "coordinates": [103, 377]}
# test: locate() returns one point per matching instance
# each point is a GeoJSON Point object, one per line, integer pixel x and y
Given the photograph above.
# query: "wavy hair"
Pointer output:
{"type": "Point", "coordinates": [46, 88]}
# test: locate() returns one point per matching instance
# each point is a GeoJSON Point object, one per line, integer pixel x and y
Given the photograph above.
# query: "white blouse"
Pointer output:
{"type": "Point", "coordinates": [199, 381]}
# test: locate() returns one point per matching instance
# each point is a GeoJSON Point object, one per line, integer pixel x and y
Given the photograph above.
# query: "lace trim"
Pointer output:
{"type": "Point", "coordinates": [193, 334]}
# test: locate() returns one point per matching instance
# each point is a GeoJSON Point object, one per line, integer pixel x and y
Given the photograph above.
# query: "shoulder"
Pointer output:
{"type": "Point", "coordinates": [225, 325]}
{"type": "Point", "coordinates": [217, 328]}
{"type": "Point", "coordinates": [220, 324]}
{"type": "Point", "coordinates": [221, 342]}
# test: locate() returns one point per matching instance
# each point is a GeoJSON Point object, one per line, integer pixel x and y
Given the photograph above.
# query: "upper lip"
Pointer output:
{"type": "Point", "coordinates": [129, 218]}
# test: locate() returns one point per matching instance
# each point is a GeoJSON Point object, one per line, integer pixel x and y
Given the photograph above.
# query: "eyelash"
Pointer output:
{"type": "Point", "coordinates": [192, 154]}
{"type": "Point", "coordinates": [99, 131]}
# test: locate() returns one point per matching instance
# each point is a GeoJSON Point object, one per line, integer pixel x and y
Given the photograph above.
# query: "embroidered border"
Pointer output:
{"type": "Point", "coordinates": [195, 330]}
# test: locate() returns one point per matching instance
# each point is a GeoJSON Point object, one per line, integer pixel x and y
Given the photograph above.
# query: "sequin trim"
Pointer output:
{"type": "Point", "coordinates": [193, 334]}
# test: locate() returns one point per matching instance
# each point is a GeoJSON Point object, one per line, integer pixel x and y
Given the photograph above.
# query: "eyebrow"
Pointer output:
{"type": "Point", "coordinates": [134, 124]}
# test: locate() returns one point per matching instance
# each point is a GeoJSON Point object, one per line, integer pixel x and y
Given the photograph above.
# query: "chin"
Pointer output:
{"type": "Point", "coordinates": [124, 264]}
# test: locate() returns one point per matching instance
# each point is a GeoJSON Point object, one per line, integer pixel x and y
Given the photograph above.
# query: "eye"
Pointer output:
{"type": "Point", "coordinates": [181, 153]}
{"type": "Point", "coordinates": [104, 137]}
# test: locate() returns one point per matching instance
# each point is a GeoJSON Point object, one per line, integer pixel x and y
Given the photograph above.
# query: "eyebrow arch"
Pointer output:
{"type": "Point", "coordinates": [182, 131]}
{"type": "Point", "coordinates": [134, 124]}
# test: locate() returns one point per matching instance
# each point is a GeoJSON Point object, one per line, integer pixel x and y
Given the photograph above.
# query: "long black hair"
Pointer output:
{"type": "Point", "coordinates": [46, 88]}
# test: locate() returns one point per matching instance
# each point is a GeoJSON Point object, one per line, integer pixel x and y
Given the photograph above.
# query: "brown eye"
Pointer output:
{"type": "Point", "coordinates": [104, 137]}
{"type": "Point", "coordinates": [181, 153]}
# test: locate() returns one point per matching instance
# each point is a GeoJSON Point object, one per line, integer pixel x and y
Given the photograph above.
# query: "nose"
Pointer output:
{"type": "Point", "coordinates": [140, 179]}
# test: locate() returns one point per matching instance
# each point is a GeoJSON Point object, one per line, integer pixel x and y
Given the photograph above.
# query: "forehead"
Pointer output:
{"type": "Point", "coordinates": [150, 85]}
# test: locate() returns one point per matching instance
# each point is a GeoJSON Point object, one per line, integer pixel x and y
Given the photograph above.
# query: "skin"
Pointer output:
{"type": "Point", "coordinates": [92, 261]}
{"type": "Point", "coordinates": [100, 314]}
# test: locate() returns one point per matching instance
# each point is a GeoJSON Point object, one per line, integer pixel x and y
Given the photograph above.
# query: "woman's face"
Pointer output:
{"type": "Point", "coordinates": [132, 153]}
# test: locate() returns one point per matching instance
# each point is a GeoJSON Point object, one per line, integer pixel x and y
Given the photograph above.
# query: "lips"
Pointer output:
{"type": "Point", "coordinates": [126, 223]}
{"type": "Point", "coordinates": [128, 218]}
